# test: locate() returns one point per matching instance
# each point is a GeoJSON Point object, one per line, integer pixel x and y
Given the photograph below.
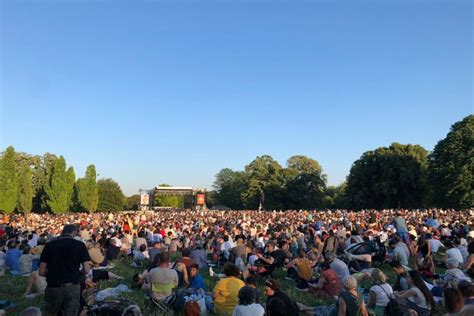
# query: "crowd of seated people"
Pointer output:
{"type": "Point", "coordinates": [316, 250]}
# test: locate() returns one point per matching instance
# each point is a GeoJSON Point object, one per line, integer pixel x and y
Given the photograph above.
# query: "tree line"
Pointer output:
{"type": "Point", "coordinates": [396, 176]}
{"type": "Point", "coordinates": [45, 184]}
{"type": "Point", "coordinates": [399, 175]}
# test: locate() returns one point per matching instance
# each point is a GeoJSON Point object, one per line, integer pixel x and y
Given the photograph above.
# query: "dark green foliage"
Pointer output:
{"type": "Point", "coordinates": [25, 192]}
{"type": "Point", "coordinates": [300, 185]}
{"type": "Point", "coordinates": [228, 187]}
{"type": "Point", "coordinates": [111, 198]}
{"type": "Point", "coordinates": [87, 190]}
{"type": "Point", "coordinates": [305, 183]}
{"type": "Point", "coordinates": [176, 201]}
{"type": "Point", "coordinates": [8, 181]}
{"type": "Point", "coordinates": [132, 202]}
{"type": "Point", "coordinates": [451, 170]}
{"type": "Point", "coordinates": [42, 171]}
{"type": "Point", "coordinates": [60, 189]}
{"type": "Point", "coordinates": [389, 177]}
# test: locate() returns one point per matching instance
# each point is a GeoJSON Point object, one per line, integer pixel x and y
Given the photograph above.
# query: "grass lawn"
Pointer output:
{"type": "Point", "coordinates": [12, 288]}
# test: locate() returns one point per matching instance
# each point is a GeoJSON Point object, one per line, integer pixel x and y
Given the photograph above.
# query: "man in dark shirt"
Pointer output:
{"type": "Point", "coordinates": [59, 263]}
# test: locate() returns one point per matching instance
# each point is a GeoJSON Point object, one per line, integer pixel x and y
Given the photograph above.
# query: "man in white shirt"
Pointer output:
{"type": "Point", "coordinates": [400, 251]}
{"type": "Point", "coordinates": [453, 253]}
{"type": "Point", "coordinates": [434, 243]}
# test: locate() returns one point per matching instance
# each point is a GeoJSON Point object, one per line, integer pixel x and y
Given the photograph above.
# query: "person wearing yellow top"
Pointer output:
{"type": "Point", "coordinates": [225, 295]}
{"type": "Point", "coordinates": [300, 269]}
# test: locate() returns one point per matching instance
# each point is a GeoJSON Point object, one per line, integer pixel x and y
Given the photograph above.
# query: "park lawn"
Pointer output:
{"type": "Point", "coordinates": [12, 288]}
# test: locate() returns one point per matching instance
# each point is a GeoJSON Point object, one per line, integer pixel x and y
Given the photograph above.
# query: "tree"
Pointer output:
{"type": "Point", "coordinates": [305, 183]}
{"type": "Point", "coordinates": [389, 177]}
{"type": "Point", "coordinates": [42, 172]}
{"type": "Point", "coordinates": [8, 181]}
{"type": "Point", "coordinates": [25, 192]}
{"type": "Point", "coordinates": [71, 181]}
{"type": "Point", "coordinates": [335, 196]}
{"type": "Point", "coordinates": [263, 176]}
{"type": "Point", "coordinates": [132, 202]}
{"type": "Point", "coordinates": [111, 198]}
{"type": "Point", "coordinates": [175, 201]}
{"type": "Point", "coordinates": [169, 200]}
{"type": "Point", "coordinates": [451, 168]}
{"type": "Point", "coordinates": [60, 189]}
{"type": "Point", "coordinates": [87, 190]}
{"type": "Point", "coordinates": [228, 188]}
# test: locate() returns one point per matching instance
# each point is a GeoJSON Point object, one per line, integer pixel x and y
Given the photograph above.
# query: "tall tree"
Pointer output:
{"type": "Point", "coordinates": [451, 169]}
{"type": "Point", "coordinates": [60, 189]}
{"type": "Point", "coordinates": [389, 177]}
{"type": "Point", "coordinates": [71, 181]}
{"type": "Point", "coordinates": [42, 172]}
{"type": "Point", "coordinates": [305, 183]}
{"type": "Point", "coordinates": [263, 177]}
{"type": "Point", "coordinates": [8, 181]}
{"type": "Point", "coordinates": [228, 187]}
{"type": "Point", "coordinates": [111, 198]}
{"type": "Point", "coordinates": [87, 190]}
{"type": "Point", "coordinates": [25, 192]}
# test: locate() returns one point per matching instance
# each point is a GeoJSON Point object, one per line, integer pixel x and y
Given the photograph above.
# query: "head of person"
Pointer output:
{"type": "Point", "coordinates": [271, 287]}
{"type": "Point", "coordinates": [349, 283]}
{"type": "Point", "coordinates": [330, 256]}
{"type": "Point", "coordinates": [251, 281]}
{"type": "Point", "coordinates": [26, 250]}
{"type": "Point", "coordinates": [231, 270]}
{"type": "Point", "coordinates": [325, 266]}
{"type": "Point", "coordinates": [69, 230]}
{"type": "Point", "coordinates": [301, 253]}
{"type": "Point", "coordinates": [378, 277]}
{"type": "Point", "coordinates": [466, 288]}
{"type": "Point", "coordinates": [271, 247]}
{"type": "Point", "coordinates": [452, 263]}
{"type": "Point", "coordinates": [164, 258]}
{"type": "Point", "coordinates": [397, 267]}
{"type": "Point", "coordinates": [11, 244]}
{"type": "Point", "coordinates": [186, 252]}
{"type": "Point", "coordinates": [453, 300]}
{"type": "Point", "coordinates": [142, 247]}
{"type": "Point", "coordinates": [393, 242]}
{"type": "Point", "coordinates": [247, 295]}
{"type": "Point", "coordinates": [194, 270]}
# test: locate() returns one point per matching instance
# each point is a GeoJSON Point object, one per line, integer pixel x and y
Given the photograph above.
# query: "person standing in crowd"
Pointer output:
{"type": "Point", "coordinates": [60, 263]}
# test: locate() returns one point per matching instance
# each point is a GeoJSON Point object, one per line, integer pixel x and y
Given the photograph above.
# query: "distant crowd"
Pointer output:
{"type": "Point", "coordinates": [336, 256]}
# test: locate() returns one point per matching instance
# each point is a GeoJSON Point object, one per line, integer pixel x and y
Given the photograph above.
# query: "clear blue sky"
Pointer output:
{"type": "Point", "coordinates": [153, 91]}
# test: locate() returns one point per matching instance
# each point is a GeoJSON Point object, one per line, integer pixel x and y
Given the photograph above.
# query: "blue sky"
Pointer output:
{"type": "Point", "coordinates": [155, 91]}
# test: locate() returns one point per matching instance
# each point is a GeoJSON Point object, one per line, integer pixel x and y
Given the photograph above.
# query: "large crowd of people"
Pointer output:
{"type": "Point", "coordinates": [336, 256]}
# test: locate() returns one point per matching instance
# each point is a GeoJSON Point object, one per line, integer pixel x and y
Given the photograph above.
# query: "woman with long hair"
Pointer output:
{"type": "Point", "coordinates": [418, 297]}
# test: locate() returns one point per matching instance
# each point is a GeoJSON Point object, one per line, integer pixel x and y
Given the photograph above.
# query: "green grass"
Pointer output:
{"type": "Point", "coordinates": [12, 288]}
